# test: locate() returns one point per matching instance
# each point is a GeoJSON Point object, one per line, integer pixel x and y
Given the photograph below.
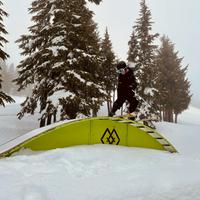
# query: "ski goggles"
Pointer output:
{"type": "Point", "coordinates": [121, 71]}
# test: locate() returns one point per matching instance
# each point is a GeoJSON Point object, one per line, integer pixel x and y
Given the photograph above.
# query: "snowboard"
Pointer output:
{"type": "Point", "coordinates": [141, 119]}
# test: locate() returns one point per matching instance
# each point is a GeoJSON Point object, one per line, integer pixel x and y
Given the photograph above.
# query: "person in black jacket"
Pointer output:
{"type": "Point", "coordinates": [126, 85]}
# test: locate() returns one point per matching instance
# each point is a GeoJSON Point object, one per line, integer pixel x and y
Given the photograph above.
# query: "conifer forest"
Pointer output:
{"type": "Point", "coordinates": [67, 70]}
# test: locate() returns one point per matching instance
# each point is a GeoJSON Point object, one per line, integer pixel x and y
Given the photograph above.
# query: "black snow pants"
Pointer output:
{"type": "Point", "coordinates": [124, 94]}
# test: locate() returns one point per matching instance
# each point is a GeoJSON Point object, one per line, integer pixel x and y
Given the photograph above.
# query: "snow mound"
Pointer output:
{"type": "Point", "coordinates": [100, 172]}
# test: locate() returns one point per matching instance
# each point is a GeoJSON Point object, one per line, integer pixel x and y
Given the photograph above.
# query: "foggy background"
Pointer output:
{"type": "Point", "coordinates": [178, 19]}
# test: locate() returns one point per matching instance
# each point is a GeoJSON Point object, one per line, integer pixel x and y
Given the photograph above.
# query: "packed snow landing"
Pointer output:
{"type": "Point", "coordinates": [105, 130]}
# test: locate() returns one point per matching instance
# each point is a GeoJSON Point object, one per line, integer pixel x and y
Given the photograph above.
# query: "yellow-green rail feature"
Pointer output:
{"type": "Point", "coordinates": [99, 130]}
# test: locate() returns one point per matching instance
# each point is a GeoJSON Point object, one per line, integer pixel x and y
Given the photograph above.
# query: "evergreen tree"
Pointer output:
{"type": "Point", "coordinates": [142, 52]}
{"type": "Point", "coordinates": [3, 55]}
{"type": "Point", "coordinates": [141, 55]}
{"type": "Point", "coordinates": [172, 83]}
{"type": "Point", "coordinates": [166, 65]}
{"type": "Point", "coordinates": [62, 60]}
{"type": "Point", "coordinates": [183, 96]}
{"type": "Point", "coordinates": [133, 52]}
{"type": "Point", "coordinates": [108, 68]}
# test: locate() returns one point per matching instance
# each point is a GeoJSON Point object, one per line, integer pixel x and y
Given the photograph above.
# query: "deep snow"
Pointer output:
{"type": "Point", "coordinates": [103, 172]}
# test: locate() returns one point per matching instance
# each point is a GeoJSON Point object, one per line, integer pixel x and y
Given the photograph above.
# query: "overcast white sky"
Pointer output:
{"type": "Point", "coordinates": [179, 19]}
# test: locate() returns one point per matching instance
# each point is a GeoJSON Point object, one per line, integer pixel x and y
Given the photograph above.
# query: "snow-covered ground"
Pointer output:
{"type": "Point", "coordinates": [10, 126]}
{"type": "Point", "coordinates": [103, 172]}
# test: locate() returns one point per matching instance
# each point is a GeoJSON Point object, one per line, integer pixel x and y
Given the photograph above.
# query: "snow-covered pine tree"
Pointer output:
{"type": "Point", "coordinates": [62, 60]}
{"type": "Point", "coordinates": [172, 84]}
{"type": "Point", "coordinates": [183, 96]}
{"type": "Point", "coordinates": [166, 67]}
{"type": "Point", "coordinates": [141, 58]}
{"type": "Point", "coordinates": [142, 51]}
{"type": "Point", "coordinates": [108, 69]}
{"type": "Point", "coordinates": [3, 55]}
{"type": "Point", "coordinates": [36, 66]}
{"type": "Point", "coordinates": [133, 52]}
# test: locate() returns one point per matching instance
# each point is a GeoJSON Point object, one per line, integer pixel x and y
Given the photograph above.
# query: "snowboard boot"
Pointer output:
{"type": "Point", "coordinates": [132, 116]}
{"type": "Point", "coordinates": [111, 114]}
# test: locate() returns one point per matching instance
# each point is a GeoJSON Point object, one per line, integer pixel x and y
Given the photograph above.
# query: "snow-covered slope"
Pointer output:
{"type": "Point", "coordinates": [186, 134]}
{"type": "Point", "coordinates": [104, 172]}
{"type": "Point", "coordinates": [10, 126]}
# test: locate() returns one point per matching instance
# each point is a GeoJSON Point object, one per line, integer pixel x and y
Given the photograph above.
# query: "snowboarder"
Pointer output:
{"type": "Point", "coordinates": [126, 85]}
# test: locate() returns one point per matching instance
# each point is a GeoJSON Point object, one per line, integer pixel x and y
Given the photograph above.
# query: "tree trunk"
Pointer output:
{"type": "Point", "coordinates": [94, 112]}
{"type": "Point", "coordinates": [171, 115]}
{"type": "Point", "coordinates": [108, 106]}
{"type": "Point", "coordinates": [49, 119]}
{"type": "Point", "coordinates": [168, 115]}
{"type": "Point", "coordinates": [163, 115]}
{"type": "Point", "coordinates": [42, 122]}
{"type": "Point", "coordinates": [54, 116]}
{"type": "Point", "coordinates": [160, 115]}
{"type": "Point", "coordinates": [176, 118]}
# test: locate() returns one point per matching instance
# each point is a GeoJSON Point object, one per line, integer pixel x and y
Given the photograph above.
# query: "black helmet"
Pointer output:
{"type": "Point", "coordinates": [121, 65]}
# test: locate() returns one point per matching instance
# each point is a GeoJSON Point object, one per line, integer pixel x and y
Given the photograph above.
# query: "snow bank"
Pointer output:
{"type": "Point", "coordinates": [103, 172]}
{"type": "Point", "coordinates": [100, 172]}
